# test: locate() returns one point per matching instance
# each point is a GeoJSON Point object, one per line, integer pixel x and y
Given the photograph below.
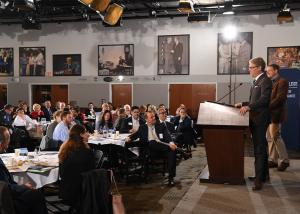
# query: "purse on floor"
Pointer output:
{"type": "Point", "coordinates": [117, 202]}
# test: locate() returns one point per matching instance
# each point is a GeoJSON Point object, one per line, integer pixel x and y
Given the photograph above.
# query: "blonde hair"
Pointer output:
{"type": "Point", "coordinates": [36, 105]}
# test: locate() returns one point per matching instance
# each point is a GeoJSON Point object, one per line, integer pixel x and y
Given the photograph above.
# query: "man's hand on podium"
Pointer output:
{"type": "Point", "coordinates": [244, 110]}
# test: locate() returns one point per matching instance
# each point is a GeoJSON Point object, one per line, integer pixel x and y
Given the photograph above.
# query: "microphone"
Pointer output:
{"type": "Point", "coordinates": [236, 87]}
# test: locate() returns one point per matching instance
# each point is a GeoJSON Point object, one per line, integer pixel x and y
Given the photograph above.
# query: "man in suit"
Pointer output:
{"type": "Point", "coordinates": [48, 110]}
{"type": "Point", "coordinates": [258, 107]}
{"type": "Point", "coordinates": [277, 152]}
{"type": "Point", "coordinates": [6, 117]}
{"type": "Point", "coordinates": [25, 199]}
{"type": "Point", "coordinates": [177, 55]}
{"type": "Point", "coordinates": [151, 134]}
{"type": "Point", "coordinates": [132, 124]}
{"type": "Point", "coordinates": [162, 115]}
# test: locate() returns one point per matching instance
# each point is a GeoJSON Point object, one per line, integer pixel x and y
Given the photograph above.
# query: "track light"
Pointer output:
{"type": "Point", "coordinates": [186, 6]}
{"type": "Point", "coordinates": [284, 15]}
{"type": "Point", "coordinates": [113, 14]}
{"type": "Point", "coordinates": [228, 8]}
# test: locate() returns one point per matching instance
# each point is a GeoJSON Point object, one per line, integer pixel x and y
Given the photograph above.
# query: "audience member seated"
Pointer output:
{"type": "Point", "coordinates": [121, 117]}
{"type": "Point", "coordinates": [143, 110]}
{"type": "Point", "coordinates": [51, 127]}
{"type": "Point", "coordinates": [162, 115]}
{"type": "Point", "coordinates": [106, 121]}
{"type": "Point", "coordinates": [25, 108]}
{"type": "Point", "coordinates": [23, 120]}
{"type": "Point", "coordinates": [90, 112]}
{"type": "Point", "coordinates": [132, 124]}
{"type": "Point", "coordinates": [104, 107]}
{"type": "Point", "coordinates": [75, 157]}
{"type": "Point", "coordinates": [183, 124]}
{"type": "Point", "coordinates": [61, 131]}
{"type": "Point", "coordinates": [6, 116]}
{"type": "Point", "coordinates": [127, 110]}
{"type": "Point", "coordinates": [179, 108]}
{"type": "Point", "coordinates": [152, 134]}
{"type": "Point", "coordinates": [25, 198]}
{"type": "Point", "coordinates": [37, 113]}
{"type": "Point", "coordinates": [48, 110]}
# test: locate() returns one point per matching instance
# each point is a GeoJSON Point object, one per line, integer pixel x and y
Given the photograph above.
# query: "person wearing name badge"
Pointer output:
{"type": "Point", "coordinates": [132, 124]}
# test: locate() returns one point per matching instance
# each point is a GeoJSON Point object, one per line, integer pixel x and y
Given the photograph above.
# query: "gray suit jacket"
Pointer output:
{"type": "Point", "coordinates": [259, 101]}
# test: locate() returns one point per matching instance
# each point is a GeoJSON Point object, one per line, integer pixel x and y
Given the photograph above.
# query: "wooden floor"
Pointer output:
{"type": "Point", "coordinates": [281, 195]}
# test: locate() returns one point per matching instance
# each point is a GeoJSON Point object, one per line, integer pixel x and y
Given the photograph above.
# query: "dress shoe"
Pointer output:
{"type": "Point", "coordinates": [282, 167]}
{"type": "Point", "coordinates": [171, 182]}
{"type": "Point", "coordinates": [271, 164]}
{"type": "Point", "coordinates": [252, 178]}
{"type": "Point", "coordinates": [257, 185]}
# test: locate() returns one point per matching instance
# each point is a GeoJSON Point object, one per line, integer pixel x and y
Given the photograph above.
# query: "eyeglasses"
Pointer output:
{"type": "Point", "coordinates": [163, 112]}
{"type": "Point", "coordinates": [251, 67]}
{"type": "Point", "coordinates": [136, 112]}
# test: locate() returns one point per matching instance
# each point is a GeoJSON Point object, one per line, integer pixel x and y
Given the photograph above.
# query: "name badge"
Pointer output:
{"type": "Point", "coordinates": [161, 136]}
{"type": "Point", "coordinates": [175, 127]}
{"type": "Point", "coordinates": [130, 123]}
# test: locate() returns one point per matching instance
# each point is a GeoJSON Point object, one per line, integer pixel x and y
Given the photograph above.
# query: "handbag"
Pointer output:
{"type": "Point", "coordinates": [117, 202]}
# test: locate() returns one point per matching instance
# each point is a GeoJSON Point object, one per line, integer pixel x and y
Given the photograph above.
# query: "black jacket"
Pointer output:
{"type": "Point", "coordinates": [70, 171]}
{"type": "Point", "coordinates": [5, 119]}
{"type": "Point", "coordinates": [127, 124]}
{"type": "Point", "coordinates": [47, 114]}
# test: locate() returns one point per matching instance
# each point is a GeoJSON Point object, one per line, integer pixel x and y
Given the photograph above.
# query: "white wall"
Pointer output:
{"type": "Point", "coordinates": [84, 38]}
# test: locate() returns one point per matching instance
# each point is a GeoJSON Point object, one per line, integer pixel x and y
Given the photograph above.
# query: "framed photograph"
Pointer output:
{"type": "Point", "coordinates": [116, 60]}
{"type": "Point", "coordinates": [173, 55]}
{"type": "Point", "coordinates": [234, 54]}
{"type": "Point", "coordinates": [6, 62]}
{"type": "Point", "coordinates": [32, 61]}
{"type": "Point", "coordinates": [67, 65]}
{"type": "Point", "coordinates": [285, 57]}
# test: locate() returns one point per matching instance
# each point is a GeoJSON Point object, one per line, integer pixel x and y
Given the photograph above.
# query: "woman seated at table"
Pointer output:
{"type": "Point", "coordinates": [23, 120]}
{"type": "Point", "coordinates": [106, 121]}
{"type": "Point", "coordinates": [37, 113]}
{"type": "Point", "coordinates": [75, 157]}
{"type": "Point", "coordinates": [51, 127]}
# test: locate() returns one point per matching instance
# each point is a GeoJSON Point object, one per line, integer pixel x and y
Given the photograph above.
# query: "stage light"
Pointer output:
{"type": "Point", "coordinates": [229, 32]}
{"type": "Point", "coordinates": [100, 5]}
{"type": "Point", "coordinates": [113, 14]}
{"type": "Point", "coordinates": [186, 6]}
{"type": "Point", "coordinates": [285, 16]}
{"type": "Point", "coordinates": [228, 8]}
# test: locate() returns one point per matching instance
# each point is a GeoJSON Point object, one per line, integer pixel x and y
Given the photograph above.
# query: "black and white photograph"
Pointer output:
{"type": "Point", "coordinates": [67, 65]}
{"type": "Point", "coordinates": [6, 62]}
{"type": "Point", "coordinates": [173, 55]}
{"type": "Point", "coordinates": [234, 54]}
{"type": "Point", "coordinates": [116, 60]}
{"type": "Point", "coordinates": [32, 61]}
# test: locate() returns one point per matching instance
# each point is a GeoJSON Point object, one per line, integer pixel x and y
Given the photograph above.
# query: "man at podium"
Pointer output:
{"type": "Point", "coordinates": [259, 116]}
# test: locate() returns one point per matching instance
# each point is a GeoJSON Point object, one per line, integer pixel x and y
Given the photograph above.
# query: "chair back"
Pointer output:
{"type": "Point", "coordinates": [6, 201]}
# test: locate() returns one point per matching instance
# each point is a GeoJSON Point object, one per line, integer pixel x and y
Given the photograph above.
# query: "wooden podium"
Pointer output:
{"type": "Point", "coordinates": [223, 134]}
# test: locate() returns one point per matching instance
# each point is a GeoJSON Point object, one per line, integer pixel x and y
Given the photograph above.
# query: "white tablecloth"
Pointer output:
{"type": "Point", "coordinates": [100, 140]}
{"type": "Point", "coordinates": [38, 180]}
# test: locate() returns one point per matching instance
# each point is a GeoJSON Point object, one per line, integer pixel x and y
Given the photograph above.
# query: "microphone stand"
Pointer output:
{"type": "Point", "coordinates": [229, 92]}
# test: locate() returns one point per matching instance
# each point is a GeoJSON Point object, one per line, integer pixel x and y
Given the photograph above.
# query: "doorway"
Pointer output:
{"type": "Point", "coordinates": [191, 95]}
{"type": "Point", "coordinates": [54, 93]}
{"type": "Point", "coordinates": [3, 95]}
{"type": "Point", "coordinates": [121, 94]}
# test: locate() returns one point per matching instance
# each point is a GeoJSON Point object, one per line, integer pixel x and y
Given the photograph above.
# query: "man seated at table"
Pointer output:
{"type": "Point", "coordinates": [152, 134]}
{"type": "Point", "coordinates": [25, 198]}
{"type": "Point", "coordinates": [132, 124]}
{"type": "Point", "coordinates": [162, 115]}
{"type": "Point", "coordinates": [61, 131]}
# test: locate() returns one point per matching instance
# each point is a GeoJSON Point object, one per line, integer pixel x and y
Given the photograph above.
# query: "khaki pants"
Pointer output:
{"type": "Point", "coordinates": [277, 150]}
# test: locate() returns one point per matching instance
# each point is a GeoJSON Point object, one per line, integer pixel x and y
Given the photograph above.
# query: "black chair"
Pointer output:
{"type": "Point", "coordinates": [6, 201]}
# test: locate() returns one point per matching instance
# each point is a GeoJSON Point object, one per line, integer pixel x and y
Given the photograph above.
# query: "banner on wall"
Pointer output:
{"type": "Point", "coordinates": [291, 128]}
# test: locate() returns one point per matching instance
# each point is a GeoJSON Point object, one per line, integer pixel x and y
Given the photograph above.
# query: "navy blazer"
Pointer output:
{"type": "Point", "coordinates": [160, 130]}
{"type": "Point", "coordinates": [127, 124]}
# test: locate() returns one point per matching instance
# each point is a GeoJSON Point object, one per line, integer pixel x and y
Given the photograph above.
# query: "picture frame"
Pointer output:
{"type": "Point", "coordinates": [173, 55]}
{"type": "Point", "coordinates": [285, 56]}
{"type": "Point", "coordinates": [234, 55]}
{"type": "Point", "coordinates": [66, 64]}
{"type": "Point", "coordinates": [32, 61]}
{"type": "Point", "coordinates": [116, 60]}
{"type": "Point", "coordinates": [6, 62]}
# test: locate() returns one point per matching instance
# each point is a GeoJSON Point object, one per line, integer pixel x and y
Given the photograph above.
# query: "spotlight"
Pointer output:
{"type": "Point", "coordinates": [285, 16]}
{"type": "Point", "coordinates": [186, 6]}
{"type": "Point", "coordinates": [113, 14]}
{"type": "Point", "coordinates": [100, 5]}
{"type": "Point", "coordinates": [228, 8]}
{"type": "Point", "coordinates": [229, 32]}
